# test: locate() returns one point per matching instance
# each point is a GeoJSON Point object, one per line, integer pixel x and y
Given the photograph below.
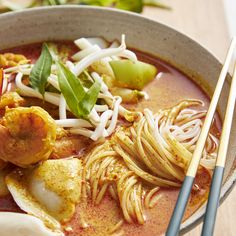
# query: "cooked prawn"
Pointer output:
{"type": "Point", "coordinates": [2, 164]}
{"type": "Point", "coordinates": [11, 59]}
{"type": "Point", "coordinates": [11, 99]}
{"type": "Point", "coordinates": [27, 135]}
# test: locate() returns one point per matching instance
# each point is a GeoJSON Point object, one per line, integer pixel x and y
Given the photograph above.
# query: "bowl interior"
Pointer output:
{"type": "Point", "coordinates": [69, 23]}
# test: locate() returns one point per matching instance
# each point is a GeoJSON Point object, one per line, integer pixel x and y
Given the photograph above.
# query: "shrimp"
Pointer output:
{"type": "Point", "coordinates": [11, 59]}
{"type": "Point", "coordinates": [3, 164]}
{"type": "Point", "coordinates": [27, 135]}
{"type": "Point", "coordinates": [11, 99]}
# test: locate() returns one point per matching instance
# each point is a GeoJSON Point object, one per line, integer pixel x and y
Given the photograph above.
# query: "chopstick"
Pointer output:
{"type": "Point", "coordinates": [214, 195]}
{"type": "Point", "coordinates": [175, 221]}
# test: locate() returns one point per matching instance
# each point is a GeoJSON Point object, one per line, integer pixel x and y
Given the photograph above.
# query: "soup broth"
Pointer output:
{"type": "Point", "coordinates": [166, 90]}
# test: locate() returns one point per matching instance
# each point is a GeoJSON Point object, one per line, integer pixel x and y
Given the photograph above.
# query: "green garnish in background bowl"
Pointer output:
{"type": "Point", "coordinates": [129, 5]}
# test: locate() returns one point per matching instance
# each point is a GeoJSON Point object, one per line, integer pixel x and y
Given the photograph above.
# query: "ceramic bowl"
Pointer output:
{"type": "Point", "coordinates": [72, 22]}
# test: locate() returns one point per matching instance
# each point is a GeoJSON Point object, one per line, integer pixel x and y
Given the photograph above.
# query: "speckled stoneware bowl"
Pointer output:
{"type": "Point", "coordinates": [69, 23]}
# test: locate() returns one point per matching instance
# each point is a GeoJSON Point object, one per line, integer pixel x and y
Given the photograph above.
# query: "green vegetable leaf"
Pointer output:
{"type": "Point", "coordinates": [41, 70]}
{"type": "Point", "coordinates": [56, 2]}
{"type": "Point", "coordinates": [71, 88]}
{"type": "Point", "coordinates": [103, 3]}
{"type": "Point", "coordinates": [130, 5]}
{"type": "Point", "coordinates": [132, 75]}
{"type": "Point", "coordinates": [156, 3]}
{"type": "Point", "coordinates": [89, 100]}
{"type": "Point", "coordinates": [79, 101]}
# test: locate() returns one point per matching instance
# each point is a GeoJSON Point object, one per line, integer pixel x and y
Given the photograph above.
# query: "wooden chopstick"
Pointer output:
{"type": "Point", "coordinates": [214, 195]}
{"type": "Point", "coordinates": [175, 221]}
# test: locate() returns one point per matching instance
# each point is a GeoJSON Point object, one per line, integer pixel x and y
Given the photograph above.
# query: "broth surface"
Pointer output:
{"type": "Point", "coordinates": [166, 91]}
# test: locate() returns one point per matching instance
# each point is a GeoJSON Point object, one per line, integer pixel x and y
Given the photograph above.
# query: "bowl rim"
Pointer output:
{"type": "Point", "coordinates": [105, 9]}
{"type": "Point", "coordinates": [229, 184]}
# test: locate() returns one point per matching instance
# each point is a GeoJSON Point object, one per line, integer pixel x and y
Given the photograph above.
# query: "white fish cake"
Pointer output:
{"type": "Point", "coordinates": [49, 191]}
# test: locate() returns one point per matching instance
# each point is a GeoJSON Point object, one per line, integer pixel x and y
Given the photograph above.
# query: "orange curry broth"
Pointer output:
{"type": "Point", "coordinates": [172, 87]}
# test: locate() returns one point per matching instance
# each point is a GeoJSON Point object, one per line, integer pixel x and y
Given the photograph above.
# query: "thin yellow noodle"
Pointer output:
{"type": "Point", "coordinates": [96, 164]}
{"type": "Point", "coordinates": [101, 194]}
{"type": "Point", "coordinates": [154, 200]}
{"type": "Point", "coordinates": [95, 183]}
{"type": "Point", "coordinates": [120, 233]}
{"type": "Point", "coordinates": [165, 169]}
{"type": "Point", "coordinates": [151, 164]}
{"type": "Point", "coordinates": [164, 161]}
{"type": "Point", "coordinates": [183, 154]}
{"type": "Point", "coordinates": [134, 155]}
{"type": "Point", "coordinates": [174, 111]}
{"type": "Point", "coordinates": [144, 175]}
{"type": "Point", "coordinates": [87, 173]}
{"type": "Point", "coordinates": [148, 197]}
{"type": "Point", "coordinates": [138, 207]}
{"type": "Point", "coordinates": [209, 145]}
{"type": "Point", "coordinates": [130, 204]}
{"type": "Point", "coordinates": [196, 116]}
{"type": "Point", "coordinates": [153, 152]}
{"type": "Point", "coordinates": [164, 152]}
{"type": "Point", "coordinates": [84, 183]}
{"type": "Point", "coordinates": [121, 181]}
{"type": "Point", "coordinates": [190, 144]}
{"type": "Point", "coordinates": [133, 132]}
{"type": "Point", "coordinates": [93, 171]}
{"type": "Point", "coordinates": [138, 142]}
{"type": "Point", "coordinates": [113, 192]}
{"type": "Point", "coordinates": [117, 226]}
{"type": "Point", "coordinates": [126, 143]}
{"type": "Point", "coordinates": [124, 197]}
{"type": "Point", "coordinates": [109, 161]}
{"type": "Point", "coordinates": [103, 154]}
{"type": "Point", "coordinates": [96, 150]}
{"type": "Point", "coordinates": [141, 193]}
{"type": "Point", "coordinates": [88, 190]}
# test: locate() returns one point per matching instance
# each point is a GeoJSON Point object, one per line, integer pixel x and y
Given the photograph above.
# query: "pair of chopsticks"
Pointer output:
{"type": "Point", "coordinates": [214, 195]}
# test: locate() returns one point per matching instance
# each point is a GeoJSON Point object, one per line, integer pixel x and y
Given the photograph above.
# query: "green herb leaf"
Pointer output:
{"type": "Point", "coordinates": [79, 101]}
{"type": "Point", "coordinates": [89, 100]}
{"type": "Point", "coordinates": [41, 70]}
{"type": "Point", "coordinates": [130, 5]}
{"type": "Point", "coordinates": [71, 88]}
{"type": "Point", "coordinates": [156, 3]}
{"type": "Point", "coordinates": [103, 3]}
{"type": "Point", "coordinates": [56, 2]}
